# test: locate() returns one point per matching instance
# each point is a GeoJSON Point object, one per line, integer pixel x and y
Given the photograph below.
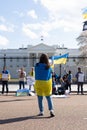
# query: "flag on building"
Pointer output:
{"type": "Point", "coordinates": [84, 13]}
{"type": "Point", "coordinates": [60, 59]}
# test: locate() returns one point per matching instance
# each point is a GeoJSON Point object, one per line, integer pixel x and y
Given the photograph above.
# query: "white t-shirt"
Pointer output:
{"type": "Point", "coordinates": [81, 77]}
{"type": "Point", "coordinates": [30, 80]}
{"type": "Point", "coordinates": [22, 76]}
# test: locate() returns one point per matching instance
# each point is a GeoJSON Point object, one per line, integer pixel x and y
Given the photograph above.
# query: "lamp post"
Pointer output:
{"type": "Point", "coordinates": [4, 59]}
{"type": "Point", "coordinates": [33, 57]}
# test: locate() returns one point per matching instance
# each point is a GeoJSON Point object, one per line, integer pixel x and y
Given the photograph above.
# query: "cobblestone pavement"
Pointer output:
{"type": "Point", "coordinates": [20, 113]}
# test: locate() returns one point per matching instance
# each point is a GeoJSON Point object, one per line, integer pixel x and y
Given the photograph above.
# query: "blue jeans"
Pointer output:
{"type": "Point", "coordinates": [21, 83]}
{"type": "Point", "coordinates": [41, 105]}
{"type": "Point", "coordinates": [80, 84]}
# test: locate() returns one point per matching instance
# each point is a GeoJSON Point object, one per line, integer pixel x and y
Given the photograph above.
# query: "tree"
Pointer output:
{"type": "Point", "coordinates": [82, 42]}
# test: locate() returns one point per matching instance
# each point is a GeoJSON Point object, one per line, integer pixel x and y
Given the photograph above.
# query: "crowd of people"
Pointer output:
{"type": "Point", "coordinates": [22, 77]}
{"type": "Point", "coordinates": [65, 81]}
{"type": "Point", "coordinates": [44, 80]}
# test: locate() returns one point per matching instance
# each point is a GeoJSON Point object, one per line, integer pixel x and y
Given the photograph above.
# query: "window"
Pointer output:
{"type": "Point", "coordinates": [11, 59]}
{"type": "Point", "coordinates": [11, 66]}
{"type": "Point", "coordinates": [17, 59]}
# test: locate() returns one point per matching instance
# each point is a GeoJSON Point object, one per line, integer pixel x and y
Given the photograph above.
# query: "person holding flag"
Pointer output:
{"type": "Point", "coordinates": [43, 84]}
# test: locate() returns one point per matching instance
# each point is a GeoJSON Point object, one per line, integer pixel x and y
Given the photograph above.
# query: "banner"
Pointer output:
{"type": "Point", "coordinates": [61, 59]}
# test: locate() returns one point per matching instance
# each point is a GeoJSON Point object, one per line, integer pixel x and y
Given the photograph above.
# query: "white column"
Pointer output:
{"type": "Point", "coordinates": [36, 57]}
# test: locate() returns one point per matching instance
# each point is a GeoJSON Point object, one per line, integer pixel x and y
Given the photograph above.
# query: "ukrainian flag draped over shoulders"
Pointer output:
{"type": "Point", "coordinates": [43, 80]}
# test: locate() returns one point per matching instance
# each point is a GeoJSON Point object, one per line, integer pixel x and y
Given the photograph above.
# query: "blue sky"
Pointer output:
{"type": "Point", "coordinates": [23, 22]}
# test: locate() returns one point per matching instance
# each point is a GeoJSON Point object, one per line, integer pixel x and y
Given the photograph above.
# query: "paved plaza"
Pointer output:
{"type": "Point", "coordinates": [15, 87]}
{"type": "Point", "coordinates": [20, 113]}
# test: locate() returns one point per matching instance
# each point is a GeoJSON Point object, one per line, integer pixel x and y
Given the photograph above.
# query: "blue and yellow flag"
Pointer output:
{"type": "Point", "coordinates": [61, 59]}
{"type": "Point", "coordinates": [84, 13]}
{"type": "Point", "coordinates": [43, 80]}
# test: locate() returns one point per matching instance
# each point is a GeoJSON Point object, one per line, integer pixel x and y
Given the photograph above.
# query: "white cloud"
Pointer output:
{"type": "Point", "coordinates": [20, 14]}
{"type": "Point", "coordinates": [36, 30]}
{"type": "Point", "coordinates": [57, 5]}
{"type": "Point", "coordinates": [44, 28]}
{"type": "Point", "coordinates": [65, 13]}
{"type": "Point", "coordinates": [2, 19]}
{"type": "Point", "coordinates": [3, 41]}
{"type": "Point", "coordinates": [32, 13]}
{"type": "Point", "coordinates": [28, 32]}
{"type": "Point", "coordinates": [3, 27]}
{"type": "Point", "coordinates": [44, 33]}
{"type": "Point", "coordinates": [35, 1]}
{"type": "Point", "coordinates": [7, 28]}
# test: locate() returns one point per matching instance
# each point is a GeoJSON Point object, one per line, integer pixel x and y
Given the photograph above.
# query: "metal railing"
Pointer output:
{"type": "Point", "coordinates": [5, 61]}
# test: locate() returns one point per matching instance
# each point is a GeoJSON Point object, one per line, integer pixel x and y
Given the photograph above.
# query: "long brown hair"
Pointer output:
{"type": "Point", "coordinates": [44, 59]}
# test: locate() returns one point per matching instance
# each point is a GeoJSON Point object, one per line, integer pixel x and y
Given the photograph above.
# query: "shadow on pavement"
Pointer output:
{"type": "Point", "coordinates": [16, 100]}
{"type": "Point", "coordinates": [18, 119]}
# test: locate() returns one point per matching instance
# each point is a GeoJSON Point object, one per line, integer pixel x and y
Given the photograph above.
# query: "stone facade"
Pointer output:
{"type": "Point", "coordinates": [27, 57]}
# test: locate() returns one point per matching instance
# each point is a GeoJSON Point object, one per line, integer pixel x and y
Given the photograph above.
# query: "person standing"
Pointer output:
{"type": "Point", "coordinates": [69, 77]}
{"type": "Point", "coordinates": [31, 78]}
{"type": "Point", "coordinates": [43, 84]}
{"type": "Point", "coordinates": [5, 79]}
{"type": "Point", "coordinates": [32, 73]}
{"type": "Point", "coordinates": [22, 76]}
{"type": "Point", "coordinates": [80, 80]}
{"type": "Point", "coordinates": [53, 85]}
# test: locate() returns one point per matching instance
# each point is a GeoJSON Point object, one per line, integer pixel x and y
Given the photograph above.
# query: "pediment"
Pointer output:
{"type": "Point", "coordinates": [41, 47]}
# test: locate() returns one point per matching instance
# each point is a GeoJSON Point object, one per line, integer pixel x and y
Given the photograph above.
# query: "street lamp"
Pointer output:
{"type": "Point", "coordinates": [4, 59]}
{"type": "Point", "coordinates": [33, 57]}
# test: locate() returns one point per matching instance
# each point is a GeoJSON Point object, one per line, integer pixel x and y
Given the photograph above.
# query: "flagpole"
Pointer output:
{"type": "Point", "coordinates": [60, 70]}
{"type": "Point", "coordinates": [60, 67]}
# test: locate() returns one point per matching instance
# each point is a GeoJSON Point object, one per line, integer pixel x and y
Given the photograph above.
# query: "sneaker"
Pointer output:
{"type": "Point", "coordinates": [52, 113]}
{"type": "Point", "coordinates": [41, 114]}
{"type": "Point", "coordinates": [82, 93]}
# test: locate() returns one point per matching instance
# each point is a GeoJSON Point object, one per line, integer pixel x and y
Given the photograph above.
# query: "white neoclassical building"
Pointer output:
{"type": "Point", "coordinates": [27, 57]}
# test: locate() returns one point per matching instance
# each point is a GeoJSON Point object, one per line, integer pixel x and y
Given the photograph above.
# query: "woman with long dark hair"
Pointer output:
{"type": "Point", "coordinates": [43, 84]}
